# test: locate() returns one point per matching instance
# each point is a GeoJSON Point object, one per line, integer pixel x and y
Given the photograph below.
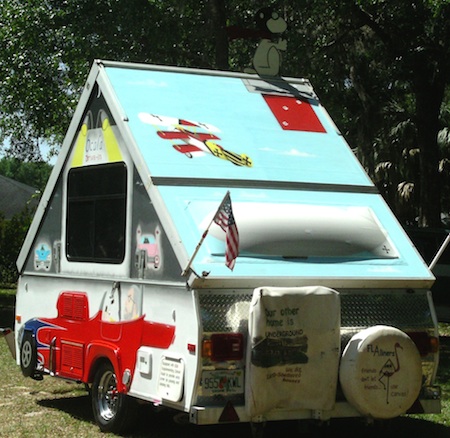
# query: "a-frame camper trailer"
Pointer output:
{"type": "Point", "coordinates": [208, 242]}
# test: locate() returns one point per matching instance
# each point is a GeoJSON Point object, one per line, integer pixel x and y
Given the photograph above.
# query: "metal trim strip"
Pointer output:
{"type": "Point", "coordinates": [261, 184]}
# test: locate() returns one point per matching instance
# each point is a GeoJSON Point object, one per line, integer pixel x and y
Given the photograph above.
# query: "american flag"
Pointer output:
{"type": "Point", "coordinates": [225, 219]}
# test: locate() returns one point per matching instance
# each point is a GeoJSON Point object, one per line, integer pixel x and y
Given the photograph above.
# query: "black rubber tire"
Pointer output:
{"type": "Point", "coordinates": [113, 411]}
{"type": "Point", "coordinates": [28, 355]}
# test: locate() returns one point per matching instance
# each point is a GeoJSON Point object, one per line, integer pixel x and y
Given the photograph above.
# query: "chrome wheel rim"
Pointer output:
{"type": "Point", "coordinates": [107, 396]}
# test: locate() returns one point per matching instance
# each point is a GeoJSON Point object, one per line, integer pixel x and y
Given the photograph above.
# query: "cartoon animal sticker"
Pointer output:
{"type": "Point", "coordinates": [267, 58]}
{"type": "Point", "coordinates": [193, 139]}
{"type": "Point", "coordinates": [42, 257]}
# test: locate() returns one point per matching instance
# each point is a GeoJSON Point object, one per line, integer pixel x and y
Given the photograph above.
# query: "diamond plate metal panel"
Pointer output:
{"type": "Point", "coordinates": [399, 310]}
{"type": "Point", "coordinates": [224, 312]}
{"type": "Point", "coordinates": [229, 312]}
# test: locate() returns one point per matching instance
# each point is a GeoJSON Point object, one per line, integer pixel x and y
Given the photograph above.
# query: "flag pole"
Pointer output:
{"type": "Point", "coordinates": [205, 233]}
{"type": "Point", "coordinates": [439, 253]}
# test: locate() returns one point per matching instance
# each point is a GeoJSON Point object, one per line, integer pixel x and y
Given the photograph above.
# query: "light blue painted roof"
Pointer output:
{"type": "Point", "coordinates": [243, 123]}
{"type": "Point", "coordinates": [213, 132]}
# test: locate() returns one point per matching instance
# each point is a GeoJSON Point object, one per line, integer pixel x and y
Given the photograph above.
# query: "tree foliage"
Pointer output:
{"type": "Point", "coordinates": [32, 173]}
{"type": "Point", "coordinates": [381, 69]}
{"type": "Point", "coordinates": [387, 66]}
{"type": "Point", "coordinates": [12, 235]}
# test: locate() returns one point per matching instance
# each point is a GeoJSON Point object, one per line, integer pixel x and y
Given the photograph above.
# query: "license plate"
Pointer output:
{"type": "Point", "coordinates": [222, 382]}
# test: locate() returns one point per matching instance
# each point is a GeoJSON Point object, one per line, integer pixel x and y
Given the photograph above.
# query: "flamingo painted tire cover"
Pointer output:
{"type": "Point", "coordinates": [381, 372]}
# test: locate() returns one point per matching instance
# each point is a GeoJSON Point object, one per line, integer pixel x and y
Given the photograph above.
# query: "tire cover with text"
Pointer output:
{"type": "Point", "coordinates": [381, 372]}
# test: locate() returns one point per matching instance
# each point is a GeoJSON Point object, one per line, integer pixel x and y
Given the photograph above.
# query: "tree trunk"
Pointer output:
{"type": "Point", "coordinates": [366, 123]}
{"type": "Point", "coordinates": [218, 22]}
{"type": "Point", "coordinates": [429, 86]}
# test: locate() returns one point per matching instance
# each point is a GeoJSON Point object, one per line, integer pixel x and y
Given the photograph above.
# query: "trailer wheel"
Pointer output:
{"type": "Point", "coordinates": [113, 411]}
{"type": "Point", "coordinates": [28, 355]}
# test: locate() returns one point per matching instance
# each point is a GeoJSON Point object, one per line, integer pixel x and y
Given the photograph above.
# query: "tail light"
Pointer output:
{"type": "Point", "coordinates": [223, 346]}
{"type": "Point", "coordinates": [425, 343]}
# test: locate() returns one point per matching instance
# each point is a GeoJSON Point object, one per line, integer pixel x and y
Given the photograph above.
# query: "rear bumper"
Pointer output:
{"type": "Point", "coordinates": [229, 413]}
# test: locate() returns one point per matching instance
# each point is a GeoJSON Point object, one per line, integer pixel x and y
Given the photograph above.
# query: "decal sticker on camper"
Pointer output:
{"type": "Point", "coordinates": [193, 139]}
{"type": "Point", "coordinates": [63, 344]}
{"type": "Point", "coordinates": [44, 331]}
{"type": "Point", "coordinates": [171, 378]}
{"type": "Point", "coordinates": [148, 248]}
{"type": "Point", "coordinates": [42, 257]}
{"type": "Point", "coordinates": [96, 143]}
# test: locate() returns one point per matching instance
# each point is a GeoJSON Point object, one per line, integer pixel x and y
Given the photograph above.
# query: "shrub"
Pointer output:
{"type": "Point", "coordinates": [12, 235]}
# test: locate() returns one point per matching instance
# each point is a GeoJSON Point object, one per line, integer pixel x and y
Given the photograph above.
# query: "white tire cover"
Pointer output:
{"type": "Point", "coordinates": [381, 372]}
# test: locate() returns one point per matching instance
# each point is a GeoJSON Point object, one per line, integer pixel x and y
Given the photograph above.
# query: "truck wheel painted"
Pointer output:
{"type": "Point", "coordinates": [113, 411]}
{"type": "Point", "coordinates": [381, 372]}
{"type": "Point", "coordinates": [28, 355]}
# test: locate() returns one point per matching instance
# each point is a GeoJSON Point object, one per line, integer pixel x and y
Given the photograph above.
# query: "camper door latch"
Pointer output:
{"type": "Point", "coordinates": [57, 256]}
{"type": "Point", "coordinates": [141, 262]}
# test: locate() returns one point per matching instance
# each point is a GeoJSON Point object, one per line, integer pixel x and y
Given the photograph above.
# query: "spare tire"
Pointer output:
{"type": "Point", "coordinates": [381, 372]}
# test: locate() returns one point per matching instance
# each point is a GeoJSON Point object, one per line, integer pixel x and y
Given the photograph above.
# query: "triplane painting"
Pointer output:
{"type": "Point", "coordinates": [208, 242]}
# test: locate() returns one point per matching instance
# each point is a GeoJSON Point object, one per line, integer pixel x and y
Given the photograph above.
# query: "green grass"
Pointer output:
{"type": "Point", "coordinates": [54, 407]}
{"type": "Point", "coordinates": [443, 377]}
{"type": "Point", "coordinates": [38, 409]}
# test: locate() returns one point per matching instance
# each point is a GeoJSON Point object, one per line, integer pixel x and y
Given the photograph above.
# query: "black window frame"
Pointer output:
{"type": "Point", "coordinates": [96, 217]}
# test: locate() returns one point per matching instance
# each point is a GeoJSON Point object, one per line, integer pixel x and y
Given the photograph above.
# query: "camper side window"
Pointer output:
{"type": "Point", "coordinates": [96, 212]}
